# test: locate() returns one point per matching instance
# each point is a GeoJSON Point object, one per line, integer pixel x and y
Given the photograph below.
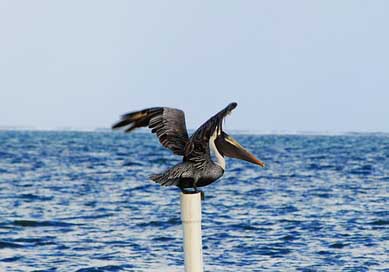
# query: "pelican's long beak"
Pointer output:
{"type": "Point", "coordinates": [229, 147]}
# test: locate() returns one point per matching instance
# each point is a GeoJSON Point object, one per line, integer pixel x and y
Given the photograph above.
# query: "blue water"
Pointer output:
{"type": "Point", "coordinates": [77, 201]}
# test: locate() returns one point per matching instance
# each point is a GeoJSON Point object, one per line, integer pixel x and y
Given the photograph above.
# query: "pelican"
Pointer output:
{"type": "Point", "coordinates": [203, 153]}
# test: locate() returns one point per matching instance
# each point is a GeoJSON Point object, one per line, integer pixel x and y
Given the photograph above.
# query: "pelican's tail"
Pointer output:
{"type": "Point", "coordinates": [164, 179]}
{"type": "Point", "coordinates": [171, 176]}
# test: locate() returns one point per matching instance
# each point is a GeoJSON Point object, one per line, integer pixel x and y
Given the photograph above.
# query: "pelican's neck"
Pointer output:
{"type": "Point", "coordinates": [214, 152]}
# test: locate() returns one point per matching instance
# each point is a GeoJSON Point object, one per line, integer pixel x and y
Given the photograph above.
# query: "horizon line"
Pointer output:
{"type": "Point", "coordinates": [237, 131]}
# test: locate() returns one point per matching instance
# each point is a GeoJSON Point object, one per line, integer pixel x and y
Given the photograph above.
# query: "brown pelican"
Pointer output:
{"type": "Point", "coordinates": [203, 153]}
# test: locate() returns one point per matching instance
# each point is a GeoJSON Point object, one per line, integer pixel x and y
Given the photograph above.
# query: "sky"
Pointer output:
{"type": "Point", "coordinates": [290, 65]}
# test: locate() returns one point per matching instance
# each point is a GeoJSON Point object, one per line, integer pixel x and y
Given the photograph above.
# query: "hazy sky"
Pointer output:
{"type": "Point", "coordinates": [290, 65]}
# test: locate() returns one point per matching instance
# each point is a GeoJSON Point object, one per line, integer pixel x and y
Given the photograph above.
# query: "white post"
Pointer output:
{"type": "Point", "coordinates": [191, 221]}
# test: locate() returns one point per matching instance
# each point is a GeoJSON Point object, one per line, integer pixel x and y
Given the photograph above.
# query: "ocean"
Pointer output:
{"type": "Point", "coordinates": [82, 201]}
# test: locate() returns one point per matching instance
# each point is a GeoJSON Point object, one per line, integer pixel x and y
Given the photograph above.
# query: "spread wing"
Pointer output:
{"type": "Point", "coordinates": [197, 149]}
{"type": "Point", "coordinates": [167, 123]}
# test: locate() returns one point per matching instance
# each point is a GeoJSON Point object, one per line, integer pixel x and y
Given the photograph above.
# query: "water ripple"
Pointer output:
{"type": "Point", "coordinates": [72, 201]}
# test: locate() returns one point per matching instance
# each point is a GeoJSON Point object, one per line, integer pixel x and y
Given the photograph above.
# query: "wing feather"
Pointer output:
{"type": "Point", "coordinates": [167, 123]}
{"type": "Point", "coordinates": [197, 148]}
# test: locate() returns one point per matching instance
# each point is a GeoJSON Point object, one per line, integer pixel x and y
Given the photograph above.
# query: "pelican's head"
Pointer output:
{"type": "Point", "coordinates": [228, 146]}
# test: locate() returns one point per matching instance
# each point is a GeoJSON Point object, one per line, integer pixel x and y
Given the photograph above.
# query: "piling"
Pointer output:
{"type": "Point", "coordinates": [191, 222]}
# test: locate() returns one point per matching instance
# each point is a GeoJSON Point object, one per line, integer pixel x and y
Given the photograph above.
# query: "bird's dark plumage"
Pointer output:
{"type": "Point", "coordinates": [203, 153]}
{"type": "Point", "coordinates": [197, 149]}
{"type": "Point", "coordinates": [167, 123]}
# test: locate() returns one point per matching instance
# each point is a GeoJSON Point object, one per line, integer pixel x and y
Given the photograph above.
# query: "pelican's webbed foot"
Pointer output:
{"type": "Point", "coordinates": [198, 191]}
{"type": "Point", "coordinates": [195, 190]}
{"type": "Point", "coordinates": [184, 191]}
